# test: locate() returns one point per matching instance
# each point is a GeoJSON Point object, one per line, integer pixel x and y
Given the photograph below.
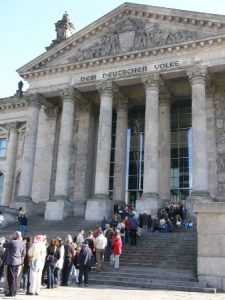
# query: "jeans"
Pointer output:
{"type": "Point", "coordinates": [23, 229]}
{"type": "Point", "coordinates": [50, 275]}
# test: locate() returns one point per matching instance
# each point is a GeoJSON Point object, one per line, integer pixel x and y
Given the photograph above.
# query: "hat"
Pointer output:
{"type": "Point", "coordinates": [38, 238]}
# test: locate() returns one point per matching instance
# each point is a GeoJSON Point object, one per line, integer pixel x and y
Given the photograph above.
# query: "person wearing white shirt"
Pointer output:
{"type": "Point", "coordinates": [100, 244]}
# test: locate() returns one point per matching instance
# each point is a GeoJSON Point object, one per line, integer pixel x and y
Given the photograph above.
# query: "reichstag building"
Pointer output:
{"type": "Point", "coordinates": [130, 109]}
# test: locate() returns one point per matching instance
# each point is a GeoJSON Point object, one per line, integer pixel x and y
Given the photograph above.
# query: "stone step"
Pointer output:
{"type": "Point", "coordinates": [154, 281]}
{"type": "Point", "coordinates": [161, 286]}
{"type": "Point", "coordinates": [155, 274]}
{"type": "Point", "coordinates": [182, 273]}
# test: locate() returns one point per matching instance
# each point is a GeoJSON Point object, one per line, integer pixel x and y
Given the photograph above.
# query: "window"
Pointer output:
{"type": "Point", "coordinates": [2, 147]}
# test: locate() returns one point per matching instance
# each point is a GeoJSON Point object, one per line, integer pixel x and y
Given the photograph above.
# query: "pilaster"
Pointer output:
{"type": "Point", "coordinates": [11, 163]}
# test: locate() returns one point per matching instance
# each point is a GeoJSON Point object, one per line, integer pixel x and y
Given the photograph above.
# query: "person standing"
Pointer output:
{"type": "Point", "coordinates": [51, 259]}
{"type": "Point", "coordinates": [16, 251]}
{"type": "Point", "coordinates": [117, 248]}
{"type": "Point", "coordinates": [36, 254]}
{"type": "Point", "coordinates": [69, 252]}
{"type": "Point", "coordinates": [133, 226]}
{"type": "Point", "coordinates": [84, 262]}
{"type": "Point", "coordinates": [23, 223]}
{"type": "Point", "coordinates": [100, 244]}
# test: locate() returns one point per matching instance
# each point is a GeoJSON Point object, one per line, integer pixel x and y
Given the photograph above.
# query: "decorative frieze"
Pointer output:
{"type": "Point", "coordinates": [134, 34]}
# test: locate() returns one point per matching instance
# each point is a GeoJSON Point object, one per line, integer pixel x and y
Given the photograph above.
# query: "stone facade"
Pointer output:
{"type": "Point", "coordinates": [211, 243]}
{"type": "Point", "coordinates": [60, 145]}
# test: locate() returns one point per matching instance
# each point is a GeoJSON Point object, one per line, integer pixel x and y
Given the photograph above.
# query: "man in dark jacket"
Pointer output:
{"type": "Point", "coordinates": [84, 262]}
{"type": "Point", "coordinates": [16, 251]}
{"type": "Point", "coordinates": [133, 226]}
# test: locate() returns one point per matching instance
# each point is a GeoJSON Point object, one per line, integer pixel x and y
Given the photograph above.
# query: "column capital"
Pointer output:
{"type": "Point", "coordinates": [13, 126]}
{"type": "Point", "coordinates": [197, 74]}
{"type": "Point", "coordinates": [68, 94]}
{"type": "Point", "coordinates": [34, 100]}
{"type": "Point", "coordinates": [105, 88]}
{"type": "Point", "coordinates": [151, 81]}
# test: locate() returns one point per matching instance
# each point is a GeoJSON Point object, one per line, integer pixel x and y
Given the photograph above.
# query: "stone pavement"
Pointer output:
{"type": "Point", "coordinates": [95, 292]}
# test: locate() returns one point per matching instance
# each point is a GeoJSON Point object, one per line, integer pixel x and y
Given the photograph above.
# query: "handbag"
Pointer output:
{"type": "Point", "coordinates": [50, 258]}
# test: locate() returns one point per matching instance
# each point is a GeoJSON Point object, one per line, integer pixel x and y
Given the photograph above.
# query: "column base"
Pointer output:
{"type": "Point", "coordinates": [196, 197]}
{"type": "Point", "coordinates": [79, 209]}
{"type": "Point", "coordinates": [149, 203]}
{"type": "Point", "coordinates": [98, 208]}
{"type": "Point", "coordinates": [58, 208]}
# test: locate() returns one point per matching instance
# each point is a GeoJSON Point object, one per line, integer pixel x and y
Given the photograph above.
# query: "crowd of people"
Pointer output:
{"type": "Point", "coordinates": [28, 263]}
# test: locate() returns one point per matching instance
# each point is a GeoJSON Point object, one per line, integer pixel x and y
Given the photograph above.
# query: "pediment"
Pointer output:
{"type": "Point", "coordinates": [129, 29]}
{"type": "Point", "coordinates": [134, 34]}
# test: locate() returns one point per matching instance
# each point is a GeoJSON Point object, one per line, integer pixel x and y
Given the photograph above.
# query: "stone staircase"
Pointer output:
{"type": "Point", "coordinates": [37, 225]}
{"type": "Point", "coordinates": [160, 261]}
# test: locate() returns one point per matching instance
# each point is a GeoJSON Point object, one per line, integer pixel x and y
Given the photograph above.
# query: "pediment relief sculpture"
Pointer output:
{"type": "Point", "coordinates": [134, 34]}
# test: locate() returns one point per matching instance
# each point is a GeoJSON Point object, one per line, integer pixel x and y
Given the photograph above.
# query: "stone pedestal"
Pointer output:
{"type": "Point", "coordinates": [97, 209]}
{"type": "Point", "coordinates": [58, 209]}
{"type": "Point", "coordinates": [149, 204]}
{"type": "Point", "coordinates": [211, 243]}
{"type": "Point", "coordinates": [54, 210]}
{"type": "Point", "coordinates": [194, 198]}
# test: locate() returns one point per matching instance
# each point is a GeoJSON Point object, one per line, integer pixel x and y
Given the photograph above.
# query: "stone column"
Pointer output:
{"type": "Point", "coordinates": [10, 164]}
{"type": "Point", "coordinates": [57, 210]}
{"type": "Point", "coordinates": [150, 201]}
{"type": "Point", "coordinates": [101, 206]}
{"type": "Point", "coordinates": [120, 152]}
{"type": "Point", "coordinates": [197, 77]}
{"type": "Point", "coordinates": [164, 147]}
{"type": "Point", "coordinates": [29, 148]}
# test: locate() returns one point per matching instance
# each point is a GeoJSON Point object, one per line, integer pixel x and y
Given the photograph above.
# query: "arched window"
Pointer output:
{"type": "Point", "coordinates": [1, 184]}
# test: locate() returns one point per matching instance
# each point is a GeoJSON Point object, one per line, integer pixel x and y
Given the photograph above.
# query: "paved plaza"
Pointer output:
{"type": "Point", "coordinates": [96, 292]}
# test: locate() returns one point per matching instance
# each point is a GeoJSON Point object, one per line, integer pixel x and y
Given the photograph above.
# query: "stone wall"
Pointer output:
{"type": "Point", "coordinates": [211, 243]}
{"type": "Point", "coordinates": [220, 142]}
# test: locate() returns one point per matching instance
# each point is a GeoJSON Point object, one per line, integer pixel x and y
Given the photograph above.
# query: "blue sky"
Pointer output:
{"type": "Point", "coordinates": [27, 26]}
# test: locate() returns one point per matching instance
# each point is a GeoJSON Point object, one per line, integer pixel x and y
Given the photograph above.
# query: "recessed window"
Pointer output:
{"type": "Point", "coordinates": [2, 147]}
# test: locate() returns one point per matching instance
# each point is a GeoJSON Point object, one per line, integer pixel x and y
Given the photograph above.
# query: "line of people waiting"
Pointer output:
{"type": "Point", "coordinates": [28, 263]}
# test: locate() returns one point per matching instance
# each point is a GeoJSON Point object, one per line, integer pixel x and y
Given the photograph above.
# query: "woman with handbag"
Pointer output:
{"type": "Point", "coordinates": [52, 257]}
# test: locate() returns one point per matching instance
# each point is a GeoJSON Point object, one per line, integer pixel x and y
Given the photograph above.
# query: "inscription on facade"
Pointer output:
{"type": "Point", "coordinates": [130, 71]}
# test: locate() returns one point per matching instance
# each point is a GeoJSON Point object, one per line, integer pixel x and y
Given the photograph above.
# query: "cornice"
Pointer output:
{"type": "Point", "coordinates": [131, 56]}
{"type": "Point", "coordinates": [196, 20]}
{"type": "Point", "coordinates": [10, 103]}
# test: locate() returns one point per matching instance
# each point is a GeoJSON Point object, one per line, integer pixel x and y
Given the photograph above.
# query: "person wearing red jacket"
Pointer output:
{"type": "Point", "coordinates": [117, 248]}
